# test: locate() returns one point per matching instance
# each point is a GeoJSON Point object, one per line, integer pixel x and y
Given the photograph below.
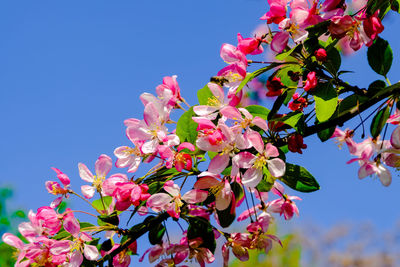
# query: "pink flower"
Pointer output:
{"type": "Point", "coordinates": [102, 166]}
{"type": "Point", "coordinates": [311, 82]}
{"type": "Point", "coordinates": [285, 204]}
{"type": "Point", "coordinates": [221, 189]}
{"type": "Point", "coordinates": [254, 164]}
{"type": "Point", "coordinates": [277, 11]}
{"type": "Point", "coordinates": [172, 202]}
{"type": "Point", "coordinates": [231, 54]}
{"type": "Point", "coordinates": [280, 41]}
{"type": "Point", "coordinates": [169, 89]}
{"type": "Point", "coordinates": [128, 157]}
{"type": "Point", "coordinates": [249, 45]}
{"type": "Point", "coordinates": [373, 26]}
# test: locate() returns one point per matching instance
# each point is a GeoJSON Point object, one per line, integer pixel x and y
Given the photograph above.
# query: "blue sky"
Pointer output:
{"type": "Point", "coordinates": [72, 71]}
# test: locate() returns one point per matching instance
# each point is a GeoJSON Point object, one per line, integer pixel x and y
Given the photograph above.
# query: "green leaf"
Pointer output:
{"type": "Point", "coordinates": [109, 219]}
{"type": "Point", "coordinates": [380, 56]}
{"type": "Point", "coordinates": [98, 204]}
{"type": "Point", "coordinates": [326, 100]}
{"type": "Point", "coordinates": [18, 214]}
{"type": "Point", "coordinates": [200, 227]}
{"type": "Point", "coordinates": [375, 87]}
{"type": "Point", "coordinates": [379, 121]}
{"type": "Point", "coordinates": [284, 55]}
{"type": "Point", "coordinates": [155, 187]}
{"type": "Point", "coordinates": [283, 73]}
{"type": "Point", "coordinates": [326, 134]}
{"type": "Point", "coordinates": [258, 111]}
{"type": "Point", "coordinates": [226, 217]}
{"type": "Point", "coordinates": [204, 94]}
{"type": "Point", "coordinates": [395, 5]}
{"type": "Point", "coordinates": [294, 120]}
{"type": "Point", "coordinates": [333, 61]}
{"type": "Point", "coordinates": [298, 178]}
{"type": "Point", "coordinates": [351, 104]}
{"type": "Point", "coordinates": [267, 181]}
{"type": "Point", "coordinates": [186, 127]}
{"type": "Point", "coordinates": [318, 29]}
{"type": "Point", "coordinates": [277, 104]}
{"type": "Point", "coordinates": [375, 5]}
{"type": "Point", "coordinates": [251, 76]}
{"type": "Point", "coordinates": [156, 234]}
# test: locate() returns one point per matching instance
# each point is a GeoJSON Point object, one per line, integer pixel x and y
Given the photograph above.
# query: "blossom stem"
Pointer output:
{"type": "Point", "coordinates": [74, 193]}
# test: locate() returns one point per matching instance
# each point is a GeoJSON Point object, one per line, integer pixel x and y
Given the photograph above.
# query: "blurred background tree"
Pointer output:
{"type": "Point", "coordinates": [343, 245]}
{"type": "Point", "coordinates": [9, 220]}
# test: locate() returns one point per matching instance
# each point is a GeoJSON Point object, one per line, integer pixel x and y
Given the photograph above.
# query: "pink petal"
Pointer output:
{"type": "Point", "coordinates": [395, 138]}
{"type": "Point", "coordinates": [206, 182]}
{"type": "Point", "coordinates": [244, 160]}
{"type": "Point", "coordinates": [61, 247]}
{"type": "Point", "coordinates": [219, 163]}
{"type": "Point", "coordinates": [271, 150]}
{"type": "Point", "coordinates": [276, 167]}
{"type": "Point", "coordinates": [252, 177]}
{"type": "Point", "coordinates": [103, 165]}
{"type": "Point", "coordinates": [203, 110]}
{"type": "Point", "coordinates": [13, 241]}
{"type": "Point", "coordinates": [279, 42]}
{"type": "Point", "coordinates": [158, 201]}
{"type": "Point", "coordinates": [71, 225]}
{"type": "Point", "coordinates": [186, 145]}
{"type": "Point", "coordinates": [88, 191]}
{"type": "Point", "coordinates": [195, 196]}
{"type": "Point", "coordinates": [255, 140]}
{"type": "Point", "coordinates": [84, 173]}
{"type": "Point", "coordinates": [76, 258]}
{"type": "Point", "coordinates": [231, 113]}
{"type": "Point", "coordinates": [91, 253]}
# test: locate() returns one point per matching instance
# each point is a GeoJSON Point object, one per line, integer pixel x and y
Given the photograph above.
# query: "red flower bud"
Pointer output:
{"type": "Point", "coordinates": [321, 55]}
{"type": "Point", "coordinates": [295, 143]}
{"type": "Point", "coordinates": [274, 86]}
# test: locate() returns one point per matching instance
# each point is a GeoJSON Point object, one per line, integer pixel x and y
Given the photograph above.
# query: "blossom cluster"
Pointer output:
{"type": "Point", "coordinates": [223, 159]}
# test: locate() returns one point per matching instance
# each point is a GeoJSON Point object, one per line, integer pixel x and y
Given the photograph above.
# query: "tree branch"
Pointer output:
{"type": "Point", "coordinates": [133, 234]}
{"type": "Point", "coordinates": [350, 113]}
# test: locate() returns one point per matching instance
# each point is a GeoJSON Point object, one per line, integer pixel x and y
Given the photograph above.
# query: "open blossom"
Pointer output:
{"type": "Point", "coordinates": [285, 205]}
{"type": "Point", "coordinates": [102, 167]}
{"type": "Point", "coordinates": [277, 11]}
{"type": "Point", "coordinates": [169, 90]}
{"type": "Point", "coordinates": [125, 192]}
{"type": "Point", "coordinates": [254, 164]}
{"type": "Point", "coordinates": [249, 45]}
{"type": "Point", "coordinates": [128, 157]}
{"type": "Point", "coordinates": [172, 200]}
{"type": "Point", "coordinates": [220, 188]}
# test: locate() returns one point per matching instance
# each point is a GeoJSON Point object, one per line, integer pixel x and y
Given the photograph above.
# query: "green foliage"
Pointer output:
{"type": "Point", "coordinates": [285, 55]}
{"type": "Point", "coordinates": [294, 120]}
{"type": "Point", "coordinates": [204, 94]}
{"type": "Point", "coordinates": [109, 219]}
{"type": "Point", "coordinates": [199, 227]}
{"type": "Point", "coordinates": [251, 76]}
{"type": "Point", "coordinates": [326, 100]}
{"type": "Point", "coordinates": [380, 56]}
{"type": "Point", "coordinates": [186, 126]}
{"type": "Point", "coordinates": [9, 220]}
{"type": "Point", "coordinates": [334, 60]}
{"type": "Point", "coordinates": [298, 178]}
{"type": "Point", "coordinates": [375, 87]}
{"type": "Point", "coordinates": [258, 111]}
{"type": "Point", "coordinates": [98, 203]}
{"type": "Point", "coordinates": [318, 29]}
{"type": "Point", "coordinates": [227, 216]}
{"type": "Point", "coordinates": [379, 121]}
{"type": "Point", "coordinates": [156, 234]}
{"type": "Point", "coordinates": [326, 134]}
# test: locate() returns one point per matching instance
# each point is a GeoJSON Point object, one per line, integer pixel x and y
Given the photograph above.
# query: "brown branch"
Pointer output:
{"type": "Point", "coordinates": [133, 234]}
{"type": "Point", "coordinates": [349, 114]}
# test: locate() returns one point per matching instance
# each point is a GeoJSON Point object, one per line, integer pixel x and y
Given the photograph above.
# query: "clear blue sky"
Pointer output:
{"type": "Point", "coordinates": [72, 71]}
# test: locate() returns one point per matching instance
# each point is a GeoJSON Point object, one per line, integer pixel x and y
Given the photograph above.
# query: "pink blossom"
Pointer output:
{"type": "Point", "coordinates": [220, 188]}
{"type": "Point", "coordinates": [170, 88]}
{"type": "Point", "coordinates": [249, 45]}
{"type": "Point", "coordinates": [277, 11]}
{"type": "Point", "coordinates": [172, 200]}
{"type": "Point", "coordinates": [102, 167]}
{"type": "Point", "coordinates": [373, 26]}
{"type": "Point", "coordinates": [311, 81]}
